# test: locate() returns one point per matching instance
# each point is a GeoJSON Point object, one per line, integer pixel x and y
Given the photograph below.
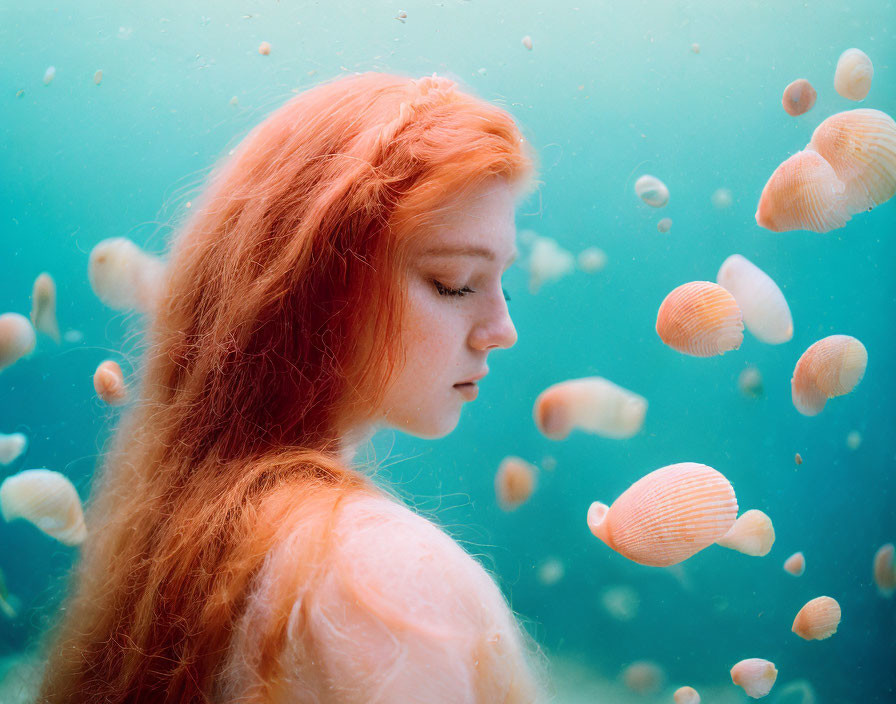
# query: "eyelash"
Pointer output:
{"type": "Point", "coordinates": [460, 292]}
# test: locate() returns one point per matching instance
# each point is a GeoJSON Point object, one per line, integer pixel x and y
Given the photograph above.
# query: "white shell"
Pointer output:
{"type": "Point", "coordinates": [755, 675]}
{"type": "Point", "coordinates": [592, 259]}
{"type": "Point", "coordinates": [43, 307]}
{"type": "Point", "coordinates": [548, 261]}
{"type": "Point", "coordinates": [765, 310]}
{"type": "Point", "coordinates": [751, 534]}
{"type": "Point", "coordinates": [852, 77]}
{"type": "Point", "coordinates": [123, 276]}
{"type": "Point", "coordinates": [652, 191]}
{"type": "Point", "coordinates": [12, 446]}
{"type": "Point", "coordinates": [593, 404]}
{"type": "Point", "coordinates": [48, 500]}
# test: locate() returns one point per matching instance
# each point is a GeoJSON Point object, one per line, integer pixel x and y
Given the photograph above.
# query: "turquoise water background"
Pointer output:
{"type": "Point", "coordinates": [608, 92]}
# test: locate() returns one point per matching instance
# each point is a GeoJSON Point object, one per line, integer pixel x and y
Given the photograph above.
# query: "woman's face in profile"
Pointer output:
{"type": "Point", "coordinates": [456, 312]}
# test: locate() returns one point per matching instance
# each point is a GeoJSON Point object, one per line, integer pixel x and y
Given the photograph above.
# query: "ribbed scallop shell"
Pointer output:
{"type": "Point", "coordinates": [860, 146]}
{"type": "Point", "coordinates": [755, 675]}
{"type": "Point", "coordinates": [593, 404]}
{"type": "Point", "coordinates": [17, 338]}
{"type": "Point", "coordinates": [43, 306]}
{"type": "Point", "coordinates": [48, 500]}
{"type": "Point", "coordinates": [514, 482]}
{"type": "Point", "coordinates": [686, 695]}
{"type": "Point", "coordinates": [803, 193]}
{"type": "Point", "coordinates": [668, 515]}
{"type": "Point", "coordinates": [751, 534]}
{"type": "Point", "coordinates": [108, 381]}
{"type": "Point", "coordinates": [700, 318]}
{"type": "Point", "coordinates": [885, 569]}
{"type": "Point", "coordinates": [799, 97]}
{"type": "Point", "coordinates": [795, 564]}
{"type": "Point", "coordinates": [833, 366]}
{"type": "Point", "coordinates": [765, 310]}
{"type": "Point", "coordinates": [852, 77]}
{"type": "Point", "coordinates": [818, 619]}
{"type": "Point", "coordinates": [652, 191]}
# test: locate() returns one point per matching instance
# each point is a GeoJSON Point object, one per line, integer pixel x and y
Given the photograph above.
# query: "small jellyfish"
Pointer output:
{"type": "Point", "coordinates": [652, 191]}
{"type": "Point", "coordinates": [49, 75]}
{"type": "Point", "coordinates": [644, 677]}
{"type": "Point", "coordinates": [722, 198]}
{"type": "Point", "coordinates": [514, 482]}
{"type": "Point", "coordinates": [852, 77]}
{"type": "Point", "coordinates": [48, 500]}
{"type": "Point", "coordinates": [668, 515]}
{"type": "Point", "coordinates": [701, 319]}
{"type": "Point", "coordinates": [592, 404]}
{"type": "Point", "coordinates": [664, 225]}
{"type": "Point", "coordinates": [795, 564]}
{"type": "Point", "coordinates": [686, 695]}
{"type": "Point", "coordinates": [749, 381]}
{"type": "Point", "coordinates": [752, 534]}
{"type": "Point", "coordinates": [548, 261]}
{"type": "Point", "coordinates": [621, 602]}
{"type": "Point", "coordinates": [123, 276]}
{"type": "Point", "coordinates": [550, 571]}
{"type": "Point", "coordinates": [12, 446]}
{"type": "Point", "coordinates": [799, 97]}
{"type": "Point", "coordinates": [527, 42]}
{"type": "Point", "coordinates": [818, 619]}
{"type": "Point", "coordinates": [592, 260]}
{"type": "Point", "coordinates": [43, 307]}
{"type": "Point", "coordinates": [17, 338]}
{"type": "Point", "coordinates": [853, 439]}
{"type": "Point", "coordinates": [765, 310]}
{"type": "Point", "coordinates": [108, 381]}
{"type": "Point", "coordinates": [98, 77]}
{"type": "Point", "coordinates": [884, 569]}
{"type": "Point", "coordinates": [831, 367]}
{"type": "Point", "coordinates": [755, 675]}
{"type": "Point", "coordinates": [264, 48]}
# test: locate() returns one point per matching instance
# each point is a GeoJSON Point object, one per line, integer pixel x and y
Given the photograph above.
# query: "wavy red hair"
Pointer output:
{"type": "Point", "coordinates": [277, 328]}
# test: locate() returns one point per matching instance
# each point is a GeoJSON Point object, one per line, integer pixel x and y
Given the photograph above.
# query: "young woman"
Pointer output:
{"type": "Point", "coordinates": [341, 273]}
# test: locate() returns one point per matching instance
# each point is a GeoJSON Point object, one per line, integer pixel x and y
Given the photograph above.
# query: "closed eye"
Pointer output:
{"type": "Point", "coordinates": [460, 292]}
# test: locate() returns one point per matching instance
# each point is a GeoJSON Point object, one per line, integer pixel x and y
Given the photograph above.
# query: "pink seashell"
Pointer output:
{"type": "Point", "coordinates": [751, 534]}
{"type": "Point", "coordinates": [686, 695]}
{"type": "Point", "coordinates": [818, 619]}
{"type": "Point", "coordinates": [514, 482]}
{"type": "Point", "coordinates": [644, 677]}
{"type": "Point", "coordinates": [803, 193]}
{"type": "Point", "coordinates": [701, 319]}
{"type": "Point", "coordinates": [668, 515]}
{"type": "Point", "coordinates": [885, 569]}
{"type": "Point", "coordinates": [799, 97]}
{"type": "Point", "coordinates": [755, 675]}
{"type": "Point", "coordinates": [795, 564]}
{"type": "Point", "coordinates": [17, 338]}
{"type": "Point", "coordinates": [833, 366]}
{"type": "Point", "coordinates": [860, 146]}
{"type": "Point", "coordinates": [109, 383]}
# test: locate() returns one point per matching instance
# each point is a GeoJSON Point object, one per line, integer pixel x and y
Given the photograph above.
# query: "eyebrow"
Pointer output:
{"type": "Point", "coordinates": [466, 252]}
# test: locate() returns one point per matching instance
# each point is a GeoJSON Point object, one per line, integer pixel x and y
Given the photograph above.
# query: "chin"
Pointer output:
{"type": "Point", "coordinates": [430, 428]}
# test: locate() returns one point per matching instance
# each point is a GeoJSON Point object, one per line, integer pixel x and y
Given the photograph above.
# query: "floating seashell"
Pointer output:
{"type": "Point", "coordinates": [12, 446]}
{"type": "Point", "coordinates": [527, 42]}
{"type": "Point", "coordinates": [43, 307]}
{"type": "Point", "coordinates": [48, 500]}
{"type": "Point", "coordinates": [833, 366]}
{"type": "Point", "coordinates": [852, 77]}
{"type": "Point", "coordinates": [17, 338]}
{"type": "Point", "coordinates": [755, 675]}
{"type": "Point", "coordinates": [98, 77]}
{"type": "Point", "coordinates": [695, 48]}
{"type": "Point", "coordinates": [853, 439]}
{"type": "Point", "coordinates": [799, 97]}
{"type": "Point", "coordinates": [592, 404]}
{"type": "Point", "coordinates": [752, 534]}
{"type": "Point", "coordinates": [550, 571]}
{"type": "Point", "coordinates": [795, 564]}
{"type": "Point", "coordinates": [652, 191]}
{"type": "Point", "coordinates": [49, 75]}
{"type": "Point", "coordinates": [884, 568]}
{"type": "Point", "coordinates": [592, 259]}
{"type": "Point", "coordinates": [668, 515]}
{"type": "Point", "coordinates": [109, 383]}
{"type": "Point", "coordinates": [722, 198]}
{"type": "Point", "coordinates": [621, 602]}
{"type": "Point", "coordinates": [264, 48]}
{"type": "Point", "coordinates": [548, 261]}
{"type": "Point", "coordinates": [123, 276]}
{"type": "Point", "coordinates": [664, 225]}
{"type": "Point", "coordinates": [765, 310]}
{"type": "Point", "coordinates": [749, 381]}
{"type": "Point", "coordinates": [798, 458]}
{"type": "Point", "coordinates": [701, 319]}
{"type": "Point", "coordinates": [514, 482]}
{"type": "Point", "coordinates": [803, 193]}
{"type": "Point", "coordinates": [686, 695]}
{"type": "Point", "coordinates": [818, 619]}
{"type": "Point", "coordinates": [860, 146]}
{"type": "Point", "coordinates": [644, 677]}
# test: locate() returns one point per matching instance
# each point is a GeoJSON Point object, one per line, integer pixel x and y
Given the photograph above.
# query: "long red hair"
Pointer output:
{"type": "Point", "coordinates": [276, 329]}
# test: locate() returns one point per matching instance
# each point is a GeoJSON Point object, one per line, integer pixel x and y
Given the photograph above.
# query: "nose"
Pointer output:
{"type": "Point", "coordinates": [494, 331]}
